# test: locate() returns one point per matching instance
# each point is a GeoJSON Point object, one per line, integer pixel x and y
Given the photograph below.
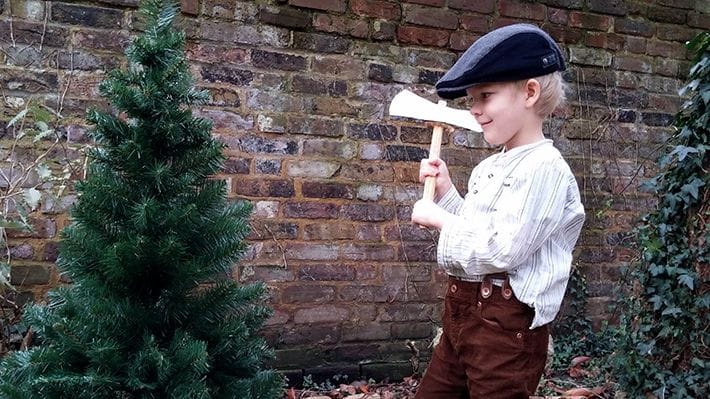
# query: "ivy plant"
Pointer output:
{"type": "Point", "coordinates": [663, 347]}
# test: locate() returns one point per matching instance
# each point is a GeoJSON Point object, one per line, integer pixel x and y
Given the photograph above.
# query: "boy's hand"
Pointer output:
{"type": "Point", "coordinates": [437, 168]}
{"type": "Point", "coordinates": [427, 213]}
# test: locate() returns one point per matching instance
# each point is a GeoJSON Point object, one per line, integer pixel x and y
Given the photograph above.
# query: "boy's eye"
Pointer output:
{"type": "Point", "coordinates": [486, 95]}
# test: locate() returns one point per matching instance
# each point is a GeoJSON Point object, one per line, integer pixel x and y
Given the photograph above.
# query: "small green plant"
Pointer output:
{"type": "Point", "coordinates": [576, 343]}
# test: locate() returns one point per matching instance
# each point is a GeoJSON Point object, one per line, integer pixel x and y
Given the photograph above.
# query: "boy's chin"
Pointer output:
{"type": "Point", "coordinates": [493, 141]}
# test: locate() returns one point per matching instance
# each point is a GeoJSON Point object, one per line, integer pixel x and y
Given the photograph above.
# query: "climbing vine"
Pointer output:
{"type": "Point", "coordinates": [663, 342]}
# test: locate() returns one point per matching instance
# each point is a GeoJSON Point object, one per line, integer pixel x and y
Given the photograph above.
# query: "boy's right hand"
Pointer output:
{"type": "Point", "coordinates": [437, 168]}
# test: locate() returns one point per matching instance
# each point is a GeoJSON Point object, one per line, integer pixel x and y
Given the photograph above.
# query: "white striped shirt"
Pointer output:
{"type": "Point", "coordinates": [522, 215]}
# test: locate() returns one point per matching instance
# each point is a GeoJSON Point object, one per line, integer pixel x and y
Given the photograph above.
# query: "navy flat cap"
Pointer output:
{"type": "Point", "coordinates": [510, 53]}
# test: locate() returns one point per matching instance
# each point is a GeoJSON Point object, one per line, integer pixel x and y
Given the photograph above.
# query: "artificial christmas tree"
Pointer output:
{"type": "Point", "coordinates": [151, 311]}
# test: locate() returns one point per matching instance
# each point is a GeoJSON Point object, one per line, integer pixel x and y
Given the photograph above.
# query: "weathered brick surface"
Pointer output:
{"type": "Point", "coordinates": [82, 15]}
{"type": "Point", "coordinates": [299, 93]}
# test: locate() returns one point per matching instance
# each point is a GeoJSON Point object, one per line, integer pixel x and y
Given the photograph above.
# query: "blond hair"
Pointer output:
{"type": "Point", "coordinates": [552, 92]}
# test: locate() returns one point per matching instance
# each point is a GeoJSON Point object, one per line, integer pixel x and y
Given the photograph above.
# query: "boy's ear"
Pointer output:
{"type": "Point", "coordinates": [532, 92]}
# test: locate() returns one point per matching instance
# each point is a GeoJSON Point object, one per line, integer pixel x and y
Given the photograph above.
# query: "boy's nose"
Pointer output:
{"type": "Point", "coordinates": [475, 110]}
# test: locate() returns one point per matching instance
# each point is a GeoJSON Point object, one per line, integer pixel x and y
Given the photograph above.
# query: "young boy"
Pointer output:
{"type": "Point", "coordinates": [507, 246]}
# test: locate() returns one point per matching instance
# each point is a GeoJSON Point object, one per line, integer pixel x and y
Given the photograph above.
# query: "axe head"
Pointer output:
{"type": "Point", "coordinates": [410, 105]}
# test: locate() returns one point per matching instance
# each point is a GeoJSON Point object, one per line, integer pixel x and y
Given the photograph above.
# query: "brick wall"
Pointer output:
{"type": "Point", "coordinates": [299, 95]}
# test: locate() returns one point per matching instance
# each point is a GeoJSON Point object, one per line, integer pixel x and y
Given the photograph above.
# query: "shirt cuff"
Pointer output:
{"type": "Point", "coordinates": [451, 201]}
{"type": "Point", "coordinates": [444, 249]}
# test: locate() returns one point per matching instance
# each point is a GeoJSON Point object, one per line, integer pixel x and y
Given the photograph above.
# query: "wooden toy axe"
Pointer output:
{"type": "Point", "coordinates": [410, 105]}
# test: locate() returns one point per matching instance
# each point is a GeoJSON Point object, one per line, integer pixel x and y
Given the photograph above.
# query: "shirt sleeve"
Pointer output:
{"type": "Point", "coordinates": [451, 201]}
{"type": "Point", "coordinates": [526, 214]}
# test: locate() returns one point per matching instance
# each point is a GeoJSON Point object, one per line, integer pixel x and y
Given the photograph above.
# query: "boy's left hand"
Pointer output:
{"type": "Point", "coordinates": [427, 213]}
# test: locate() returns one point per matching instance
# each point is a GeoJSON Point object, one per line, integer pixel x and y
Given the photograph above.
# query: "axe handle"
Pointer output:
{"type": "Point", "coordinates": [434, 150]}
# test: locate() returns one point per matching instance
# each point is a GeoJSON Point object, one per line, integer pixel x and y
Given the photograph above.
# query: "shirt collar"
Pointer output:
{"type": "Point", "coordinates": [523, 149]}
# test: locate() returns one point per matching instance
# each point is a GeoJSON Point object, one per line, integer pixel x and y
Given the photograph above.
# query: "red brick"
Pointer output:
{"type": "Point", "coordinates": [190, 7]}
{"type": "Point", "coordinates": [604, 40]}
{"type": "Point", "coordinates": [326, 272]}
{"type": "Point", "coordinates": [115, 41]}
{"type": "Point", "coordinates": [666, 67]}
{"type": "Point", "coordinates": [328, 5]}
{"type": "Point", "coordinates": [406, 312]}
{"type": "Point", "coordinates": [369, 293]}
{"type": "Point", "coordinates": [310, 251]}
{"type": "Point", "coordinates": [270, 60]}
{"type": "Point", "coordinates": [666, 49]}
{"type": "Point", "coordinates": [22, 251]}
{"type": "Point", "coordinates": [31, 33]}
{"type": "Point", "coordinates": [411, 273]}
{"type": "Point", "coordinates": [638, 27]}
{"type": "Point", "coordinates": [675, 33]}
{"type": "Point", "coordinates": [219, 8]}
{"type": "Point", "coordinates": [307, 293]}
{"type": "Point", "coordinates": [209, 53]}
{"type": "Point", "coordinates": [633, 44]}
{"type": "Point", "coordinates": [341, 24]}
{"type": "Point", "coordinates": [434, 17]}
{"type": "Point", "coordinates": [474, 23]}
{"type": "Point", "coordinates": [527, 10]}
{"type": "Point", "coordinates": [368, 212]}
{"type": "Point", "coordinates": [667, 14]}
{"type": "Point", "coordinates": [97, 17]}
{"type": "Point", "coordinates": [557, 16]}
{"type": "Point", "coordinates": [422, 36]}
{"type": "Point", "coordinates": [41, 228]}
{"type": "Point", "coordinates": [699, 20]}
{"type": "Point", "coordinates": [263, 188]}
{"type": "Point", "coordinates": [482, 6]}
{"type": "Point", "coordinates": [311, 335]}
{"type": "Point", "coordinates": [411, 330]}
{"type": "Point", "coordinates": [367, 251]}
{"type": "Point", "coordinates": [321, 43]}
{"type": "Point", "coordinates": [417, 252]}
{"type": "Point", "coordinates": [433, 3]}
{"type": "Point", "coordinates": [288, 17]}
{"type": "Point", "coordinates": [306, 84]}
{"type": "Point", "coordinates": [29, 274]}
{"type": "Point", "coordinates": [333, 106]}
{"type": "Point", "coordinates": [321, 314]}
{"type": "Point", "coordinates": [311, 210]}
{"type": "Point", "coordinates": [564, 34]}
{"type": "Point", "coordinates": [613, 7]}
{"type": "Point", "coordinates": [684, 4]}
{"type": "Point", "coordinates": [268, 274]}
{"type": "Point", "coordinates": [345, 67]}
{"type": "Point", "coordinates": [225, 121]}
{"type": "Point", "coordinates": [329, 148]}
{"type": "Point", "coordinates": [368, 332]}
{"type": "Point", "coordinates": [272, 229]}
{"type": "Point", "coordinates": [314, 189]}
{"type": "Point", "coordinates": [377, 9]}
{"type": "Point", "coordinates": [589, 21]}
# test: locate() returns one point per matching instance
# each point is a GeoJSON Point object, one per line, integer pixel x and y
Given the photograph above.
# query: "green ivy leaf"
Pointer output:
{"type": "Point", "coordinates": [43, 171]}
{"type": "Point", "coordinates": [682, 151]}
{"type": "Point", "coordinates": [673, 311]}
{"type": "Point", "coordinates": [687, 280]}
{"type": "Point", "coordinates": [32, 197]}
{"type": "Point", "coordinates": [17, 117]}
{"type": "Point", "coordinates": [692, 187]}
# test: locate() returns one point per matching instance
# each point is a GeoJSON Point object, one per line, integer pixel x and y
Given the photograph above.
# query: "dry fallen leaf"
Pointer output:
{"type": "Point", "coordinates": [584, 392]}
{"type": "Point", "coordinates": [579, 360]}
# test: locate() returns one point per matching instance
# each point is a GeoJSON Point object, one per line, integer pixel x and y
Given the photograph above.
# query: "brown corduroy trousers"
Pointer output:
{"type": "Point", "coordinates": [487, 350]}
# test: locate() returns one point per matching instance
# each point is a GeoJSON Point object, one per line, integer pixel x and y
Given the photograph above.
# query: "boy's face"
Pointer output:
{"type": "Point", "coordinates": [501, 111]}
